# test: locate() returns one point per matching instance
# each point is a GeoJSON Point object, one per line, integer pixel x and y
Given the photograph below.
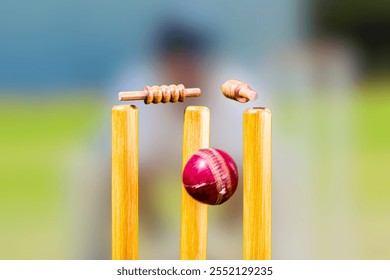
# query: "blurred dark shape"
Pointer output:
{"type": "Point", "coordinates": [181, 51]}
{"type": "Point", "coordinates": [177, 38]}
{"type": "Point", "coordinates": [365, 23]}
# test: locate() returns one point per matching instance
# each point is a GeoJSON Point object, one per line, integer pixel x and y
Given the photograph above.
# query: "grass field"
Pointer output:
{"type": "Point", "coordinates": [36, 136]}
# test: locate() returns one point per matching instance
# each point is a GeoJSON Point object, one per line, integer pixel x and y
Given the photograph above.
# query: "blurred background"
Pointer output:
{"type": "Point", "coordinates": [322, 67]}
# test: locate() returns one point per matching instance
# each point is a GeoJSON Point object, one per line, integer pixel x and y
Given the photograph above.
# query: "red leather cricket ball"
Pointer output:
{"type": "Point", "coordinates": [210, 176]}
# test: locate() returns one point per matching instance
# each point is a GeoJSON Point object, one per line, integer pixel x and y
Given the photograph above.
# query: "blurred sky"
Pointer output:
{"type": "Point", "coordinates": [321, 66]}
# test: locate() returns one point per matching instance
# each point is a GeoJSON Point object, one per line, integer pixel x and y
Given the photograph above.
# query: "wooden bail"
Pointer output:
{"type": "Point", "coordinates": [157, 94]}
{"type": "Point", "coordinates": [239, 91]}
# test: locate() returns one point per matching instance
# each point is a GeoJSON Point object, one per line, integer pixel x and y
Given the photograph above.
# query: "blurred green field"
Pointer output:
{"type": "Point", "coordinates": [38, 134]}
{"type": "Point", "coordinates": [372, 170]}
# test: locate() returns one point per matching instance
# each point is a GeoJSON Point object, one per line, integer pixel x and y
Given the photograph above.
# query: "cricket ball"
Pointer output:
{"type": "Point", "coordinates": [210, 176]}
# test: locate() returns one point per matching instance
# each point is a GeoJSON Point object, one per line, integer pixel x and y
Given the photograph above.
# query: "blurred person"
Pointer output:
{"type": "Point", "coordinates": [198, 47]}
{"type": "Point", "coordinates": [178, 57]}
{"type": "Point", "coordinates": [184, 54]}
{"type": "Point", "coordinates": [178, 53]}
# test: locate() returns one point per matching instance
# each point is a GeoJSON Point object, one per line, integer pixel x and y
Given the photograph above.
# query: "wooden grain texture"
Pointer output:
{"type": "Point", "coordinates": [124, 182]}
{"type": "Point", "coordinates": [257, 167]}
{"type": "Point", "coordinates": [157, 94]}
{"type": "Point", "coordinates": [238, 90]}
{"type": "Point", "coordinates": [193, 234]}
